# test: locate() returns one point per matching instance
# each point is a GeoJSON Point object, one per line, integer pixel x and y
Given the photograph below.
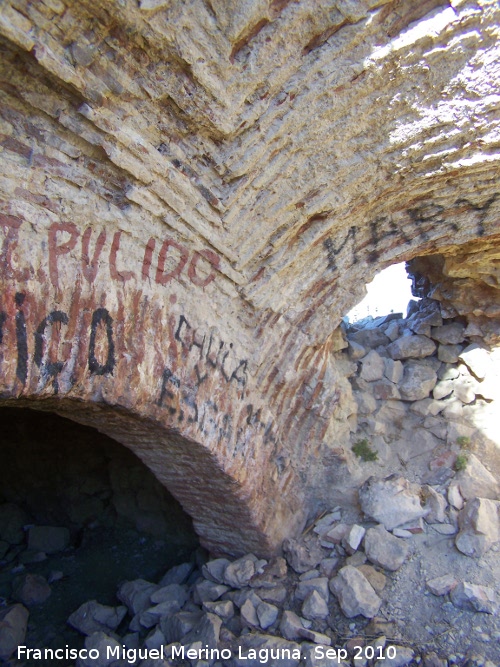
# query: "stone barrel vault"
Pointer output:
{"type": "Point", "coordinates": [193, 194]}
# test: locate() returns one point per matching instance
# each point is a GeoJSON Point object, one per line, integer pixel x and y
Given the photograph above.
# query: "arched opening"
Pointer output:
{"type": "Point", "coordinates": [389, 292]}
{"type": "Point", "coordinates": [82, 511]}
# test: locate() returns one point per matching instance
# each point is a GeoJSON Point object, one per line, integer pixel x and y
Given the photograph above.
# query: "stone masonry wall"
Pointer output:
{"type": "Point", "coordinates": [426, 390]}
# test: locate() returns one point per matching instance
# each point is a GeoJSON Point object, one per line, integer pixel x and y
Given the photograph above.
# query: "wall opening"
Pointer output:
{"type": "Point", "coordinates": [114, 520]}
{"type": "Point", "coordinates": [389, 292]}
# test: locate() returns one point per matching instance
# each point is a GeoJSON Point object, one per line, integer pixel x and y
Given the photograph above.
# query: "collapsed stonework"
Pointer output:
{"type": "Point", "coordinates": [426, 386]}
{"type": "Point", "coordinates": [193, 194]}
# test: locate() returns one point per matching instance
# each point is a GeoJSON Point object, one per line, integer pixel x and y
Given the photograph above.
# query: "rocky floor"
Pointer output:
{"type": "Point", "coordinates": [404, 572]}
{"type": "Point", "coordinates": [386, 584]}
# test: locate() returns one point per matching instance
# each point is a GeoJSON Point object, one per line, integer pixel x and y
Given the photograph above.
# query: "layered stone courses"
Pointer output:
{"type": "Point", "coordinates": [193, 194]}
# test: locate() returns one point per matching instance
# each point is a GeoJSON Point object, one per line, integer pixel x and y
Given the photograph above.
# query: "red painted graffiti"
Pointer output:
{"type": "Point", "coordinates": [173, 259]}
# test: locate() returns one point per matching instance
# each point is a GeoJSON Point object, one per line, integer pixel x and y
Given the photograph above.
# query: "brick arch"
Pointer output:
{"type": "Point", "coordinates": [221, 514]}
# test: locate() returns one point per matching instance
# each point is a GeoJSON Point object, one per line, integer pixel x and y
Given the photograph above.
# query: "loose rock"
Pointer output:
{"type": "Point", "coordinates": [411, 346]}
{"type": "Point", "coordinates": [267, 614]}
{"type": "Point", "coordinates": [474, 597]}
{"type": "Point", "coordinates": [291, 626]}
{"type": "Point", "coordinates": [302, 556]}
{"type": "Point", "coordinates": [384, 549]}
{"type": "Point", "coordinates": [354, 593]}
{"type": "Point", "coordinates": [93, 617]}
{"type": "Point", "coordinates": [315, 606]}
{"type": "Point", "coordinates": [392, 501]}
{"type": "Point", "coordinates": [352, 539]}
{"type": "Point", "coordinates": [418, 381]}
{"type": "Point", "coordinates": [319, 584]}
{"type": "Point", "coordinates": [239, 572]}
{"type": "Point", "coordinates": [479, 527]}
{"type": "Point", "coordinates": [442, 585]}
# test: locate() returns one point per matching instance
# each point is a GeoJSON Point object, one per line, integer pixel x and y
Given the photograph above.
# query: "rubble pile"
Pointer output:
{"type": "Point", "coordinates": [407, 575]}
{"type": "Point", "coordinates": [331, 590]}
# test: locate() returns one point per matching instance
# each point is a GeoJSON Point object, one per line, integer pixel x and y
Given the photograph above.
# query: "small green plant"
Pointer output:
{"type": "Point", "coordinates": [363, 451]}
{"type": "Point", "coordinates": [463, 441]}
{"type": "Point", "coordinates": [461, 462]}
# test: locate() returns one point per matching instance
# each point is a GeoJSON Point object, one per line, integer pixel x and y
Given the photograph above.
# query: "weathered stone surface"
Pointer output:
{"type": "Point", "coordinates": [302, 556]}
{"type": "Point", "coordinates": [356, 351]}
{"type": "Point", "coordinates": [393, 370]}
{"type": "Point", "coordinates": [434, 504]}
{"type": "Point", "coordinates": [188, 210]}
{"type": "Point", "coordinates": [477, 598]}
{"type": "Point", "coordinates": [465, 389]}
{"type": "Point", "coordinates": [222, 608]}
{"type": "Point", "coordinates": [449, 334]}
{"type": "Point", "coordinates": [444, 528]}
{"type": "Point", "coordinates": [328, 566]}
{"type": "Point", "coordinates": [385, 390]}
{"type": "Point", "coordinates": [477, 481]}
{"type": "Point", "coordinates": [443, 389]}
{"type": "Point", "coordinates": [152, 615]}
{"type": "Point", "coordinates": [479, 527]}
{"type": "Point", "coordinates": [448, 354]}
{"type": "Point", "coordinates": [276, 595]}
{"type": "Point", "coordinates": [136, 595]}
{"type": "Point", "coordinates": [392, 501]}
{"type": "Point", "coordinates": [205, 631]}
{"type": "Point", "coordinates": [418, 381]}
{"type": "Point", "coordinates": [267, 614]}
{"type": "Point", "coordinates": [155, 639]}
{"type": "Point", "coordinates": [336, 534]}
{"type": "Point", "coordinates": [210, 591]}
{"type": "Point", "coordinates": [171, 592]}
{"type": "Point", "coordinates": [291, 626]}
{"type": "Point", "coordinates": [367, 403]}
{"type": "Point", "coordinates": [427, 406]}
{"type": "Point", "coordinates": [372, 367]}
{"type": "Point", "coordinates": [315, 606]}
{"type": "Point", "coordinates": [238, 573]}
{"type": "Point", "coordinates": [455, 497]}
{"type": "Point", "coordinates": [354, 593]}
{"type": "Point", "coordinates": [411, 347]}
{"type": "Point", "coordinates": [93, 617]}
{"type": "Point", "coordinates": [476, 359]}
{"type": "Point", "coordinates": [176, 626]}
{"type": "Point", "coordinates": [248, 613]}
{"type": "Point", "coordinates": [271, 573]}
{"type": "Point", "coordinates": [177, 574]}
{"type": "Point", "coordinates": [319, 584]}
{"type": "Point", "coordinates": [384, 549]}
{"type": "Point", "coordinates": [432, 659]}
{"type": "Point", "coordinates": [352, 539]}
{"type": "Point", "coordinates": [214, 570]}
{"type": "Point", "coordinates": [377, 579]}
{"type": "Point", "coordinates": [400, 657]}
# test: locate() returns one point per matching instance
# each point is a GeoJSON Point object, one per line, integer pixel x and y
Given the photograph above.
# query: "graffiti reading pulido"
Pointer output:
{"type": "Point", "coordinates": [63, 238]}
